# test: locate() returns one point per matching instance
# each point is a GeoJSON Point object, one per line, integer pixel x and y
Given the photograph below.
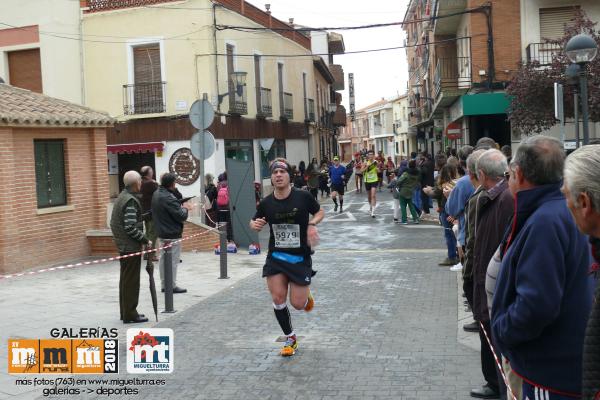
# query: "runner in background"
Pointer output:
{"type": "Point", "coordinates": [369, 171]}
{"type": "Point", "coordinates": [336, 174]}
{"type": "Point", "coordinates": [358, 172]}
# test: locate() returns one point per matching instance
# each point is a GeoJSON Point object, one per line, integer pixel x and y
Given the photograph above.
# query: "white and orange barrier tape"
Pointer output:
{"type": "Point", "coordinates": [109, 259]}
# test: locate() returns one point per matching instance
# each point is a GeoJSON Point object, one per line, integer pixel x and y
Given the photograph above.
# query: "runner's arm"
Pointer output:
{"type": "Point", "coordinates": [317, 217]}
{"type": "Point", "coordinates": [260, 218]}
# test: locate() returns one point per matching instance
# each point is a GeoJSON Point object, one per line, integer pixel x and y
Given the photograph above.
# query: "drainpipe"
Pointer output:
{"type": "Point", "coordinates": [81, 55]}
{"type": "Point", "coordinates": [487, 11]}
{"type": "Point", "coordinates": [215, 49]}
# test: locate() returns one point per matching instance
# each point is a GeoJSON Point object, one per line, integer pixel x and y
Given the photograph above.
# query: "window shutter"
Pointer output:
{"type": "Point", "coordinates": [50, 173]}
{"type": "Point", "coordinates": [56, 172]}
{"type": "Point", "coordinates": [553, 21]}
{"type": "Point", "coordinates": [25, 70]}
{"type": "Point", "coordinates": [41, 174]}
{"type": "Point", "coordinates": [148, 90]}
{"type": "Point", "coordinates": [146, 61]}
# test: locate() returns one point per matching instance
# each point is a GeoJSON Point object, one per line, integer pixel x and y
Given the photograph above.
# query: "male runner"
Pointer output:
{"type": "Point", "coordinates": [293, 234]}
{"type": "Point", "coordinates": [371, 180]}
{"type": "Point", "coordinates": [336, 174]}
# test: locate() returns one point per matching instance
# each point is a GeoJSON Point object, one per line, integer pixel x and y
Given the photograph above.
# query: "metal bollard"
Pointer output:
{"type": "Point", "coordinates": [223, 244]}
{"type": "Point", "coordinates": [168, 275]}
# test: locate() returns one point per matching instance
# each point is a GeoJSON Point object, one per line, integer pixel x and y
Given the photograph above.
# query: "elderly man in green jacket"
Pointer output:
{"type": "Point", "coordinates": [127, 228]}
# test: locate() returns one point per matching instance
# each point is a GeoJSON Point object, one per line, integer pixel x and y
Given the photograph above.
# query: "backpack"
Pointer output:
{"type": "Point", "coordinates": [223, 196]}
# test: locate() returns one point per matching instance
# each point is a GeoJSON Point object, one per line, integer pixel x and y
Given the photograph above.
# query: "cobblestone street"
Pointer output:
{"type": "Point", "coordinates": [384, 325]}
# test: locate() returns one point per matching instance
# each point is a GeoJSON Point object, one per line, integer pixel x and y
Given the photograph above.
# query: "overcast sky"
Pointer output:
{"type": "Point", "coordinates": [376, 75]}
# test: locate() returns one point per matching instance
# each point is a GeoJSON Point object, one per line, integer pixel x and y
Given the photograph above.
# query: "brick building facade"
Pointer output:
{"type": "Point", "coordinates": [49, 203]}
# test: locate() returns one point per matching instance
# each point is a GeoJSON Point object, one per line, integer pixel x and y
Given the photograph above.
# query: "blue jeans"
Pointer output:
{"type": "Point", "coordinates": [449, 236]}
{"type": "Point", "coordinates": [416, 198]}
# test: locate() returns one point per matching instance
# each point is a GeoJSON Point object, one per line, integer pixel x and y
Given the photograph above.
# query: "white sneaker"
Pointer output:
{"type": "Point", "coordinates": [458, 267]}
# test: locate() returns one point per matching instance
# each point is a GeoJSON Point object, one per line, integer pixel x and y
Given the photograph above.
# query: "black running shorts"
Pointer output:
{"type": "Point", "coordinates": [371, 185]}
{"type": "Point", "coordinates": [338, 188]}
{"type": "Point", "coordinates": [301, 273]}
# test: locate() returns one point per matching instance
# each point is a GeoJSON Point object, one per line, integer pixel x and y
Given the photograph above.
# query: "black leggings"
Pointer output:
{"type": "Point", "coordinates": [223, 215]}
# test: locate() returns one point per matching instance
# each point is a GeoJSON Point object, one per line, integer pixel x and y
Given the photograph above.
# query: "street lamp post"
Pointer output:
{"type": "Point", "coordinates": [572, 73]}
{"type": "Point", "coordinates": [582, 49]}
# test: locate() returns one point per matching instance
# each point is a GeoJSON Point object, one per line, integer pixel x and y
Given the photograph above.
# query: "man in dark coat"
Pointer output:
{"type": "Point", "coordinates": [169, 215]}
{"type": "Point", "coordinates": [495, 209]}
{"type": "Point", "coordinates": [543, 292]}
{"type": "Point", "coordinates": [128, 235]}
{"type": "Point", "coordinates": [149, 186]}
{"type": "Point", "coordinates": [581, 187]}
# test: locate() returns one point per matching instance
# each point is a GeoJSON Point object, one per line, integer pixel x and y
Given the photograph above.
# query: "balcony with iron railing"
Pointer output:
{"type": "Point", "coordinates": [543, 53]}
{"type": "Point", "coordinates": [421, 113]}
{"type": "Point", "coordinates": [287, 107]}
{"type": "Point", "coordinates": [425, 60]}
{"type": "Point", "coordinates": [264, 105]}
{"type": "Point", "coordinates": [106, 5]}
{"type": "Point", "coordinates": [452, 77]}
{"type": "Point", "coordinates": [144, 98]}
{"type": "Point", "coordinates": [238, 104]}
{"type": "Point", "coordinates": [311, 110]}
{"type": "Point", "coordinates": [377, 129]}
{"type": "Point", "coordinates": [338, 76]}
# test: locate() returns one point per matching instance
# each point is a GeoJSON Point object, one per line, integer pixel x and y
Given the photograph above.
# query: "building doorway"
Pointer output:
{"type": "Point", "coordinates": [495, 126]}
{"type": "Point", "coordinates": [134, 161]}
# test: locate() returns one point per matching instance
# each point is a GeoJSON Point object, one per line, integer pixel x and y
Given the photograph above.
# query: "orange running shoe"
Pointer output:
{"type": "Point", "coordinates": [289, 347]}
{"type": "Point", "coordinates": [310, 303]}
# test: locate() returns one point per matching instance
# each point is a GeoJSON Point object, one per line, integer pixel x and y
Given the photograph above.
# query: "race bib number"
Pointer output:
{"type": "Point", "coordinates": [287, 235]}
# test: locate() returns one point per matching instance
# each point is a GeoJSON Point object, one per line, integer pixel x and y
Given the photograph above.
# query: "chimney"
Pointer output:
{"type": "Point", "coordinates": [268, 8]}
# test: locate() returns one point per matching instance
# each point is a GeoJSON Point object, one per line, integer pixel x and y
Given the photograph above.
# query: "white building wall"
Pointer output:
{"type": "Point", "coordinates": [59, 57]}
{"type": "Point", "coordinates": [296, 150]}
{"type": "Point", "coordinates": [319, 44]}
{"type": "Point", "coordinates": [214, 165]}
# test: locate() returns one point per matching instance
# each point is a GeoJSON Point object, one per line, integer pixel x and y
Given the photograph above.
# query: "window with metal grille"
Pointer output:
{"type": "Point", "coordinates": [148, 96]}
{"type": "Point", "coordinates": [50, 181]}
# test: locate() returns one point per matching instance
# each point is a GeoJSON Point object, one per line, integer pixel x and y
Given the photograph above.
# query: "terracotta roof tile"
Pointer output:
{"type": "Point", "coordinates": [20, 107]}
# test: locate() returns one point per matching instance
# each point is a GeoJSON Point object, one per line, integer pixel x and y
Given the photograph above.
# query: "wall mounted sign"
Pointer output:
{"type": "Point", "coordinates": [185, 166]}
{"type": "Point", "coordinates": [454, 130]}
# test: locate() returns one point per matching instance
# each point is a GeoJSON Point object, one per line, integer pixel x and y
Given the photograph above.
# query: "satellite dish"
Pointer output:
{"type": "Point", "coordinates": [205, 141]}
{"type": "Point", "coordinates": [201, 114]}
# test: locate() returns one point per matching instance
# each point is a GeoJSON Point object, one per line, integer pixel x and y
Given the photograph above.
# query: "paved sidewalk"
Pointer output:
{"type": "Point", "coordinates": [89, 297]}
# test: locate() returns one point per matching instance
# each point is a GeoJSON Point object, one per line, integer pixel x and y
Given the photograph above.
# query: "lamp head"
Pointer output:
{"type": "Point", "coordinates": [581, 49]}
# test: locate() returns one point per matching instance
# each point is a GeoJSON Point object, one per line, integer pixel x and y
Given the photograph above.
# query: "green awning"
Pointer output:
{"type": "Point", "coordinates": [485, 103]}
